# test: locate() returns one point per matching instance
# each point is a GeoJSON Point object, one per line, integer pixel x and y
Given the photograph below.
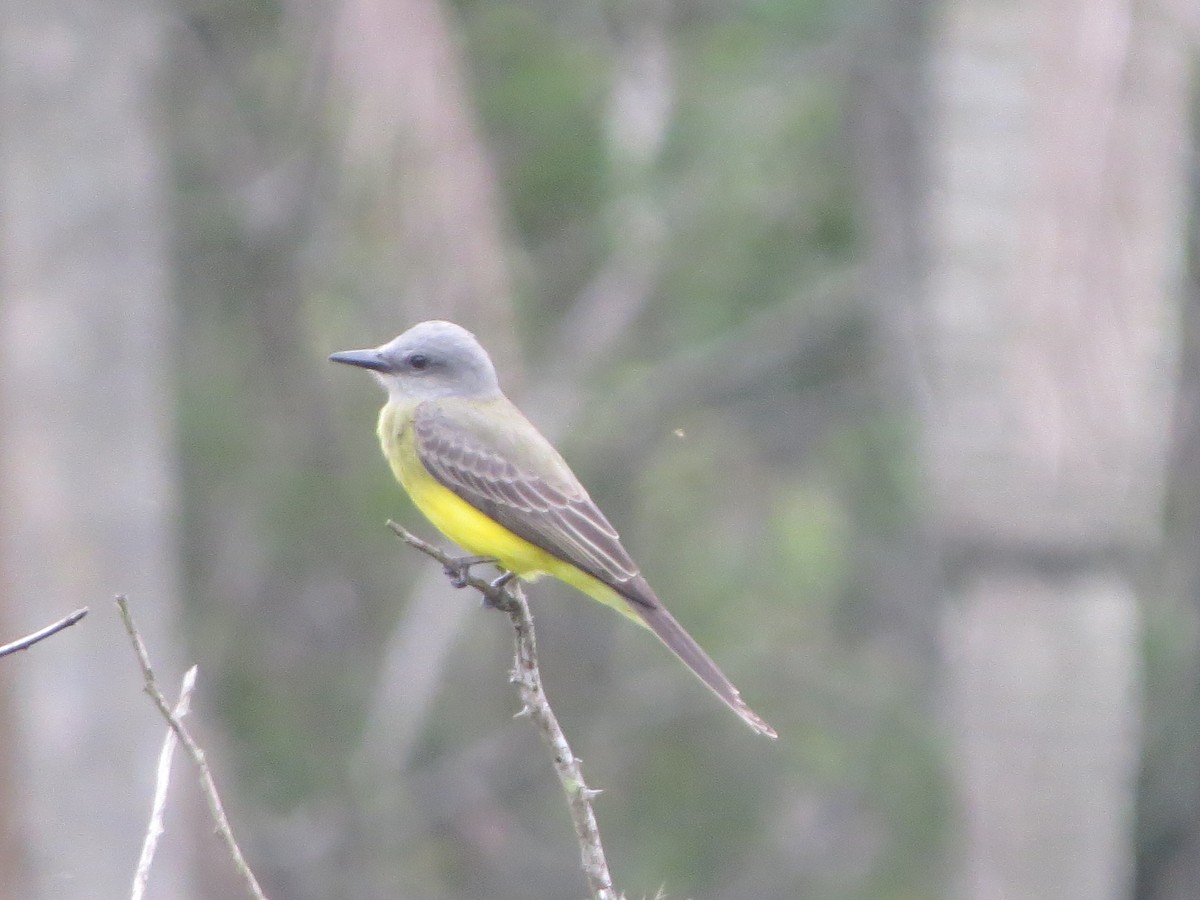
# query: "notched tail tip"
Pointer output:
{"type": "Point", "coordinates": [751, 718]}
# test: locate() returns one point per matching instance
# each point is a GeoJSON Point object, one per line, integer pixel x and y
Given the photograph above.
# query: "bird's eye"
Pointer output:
{"type": "Point", "coordinates": [419, 361]}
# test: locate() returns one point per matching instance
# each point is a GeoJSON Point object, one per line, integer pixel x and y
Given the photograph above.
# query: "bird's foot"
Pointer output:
{"type": "Point", "coordinates": [458, 570]}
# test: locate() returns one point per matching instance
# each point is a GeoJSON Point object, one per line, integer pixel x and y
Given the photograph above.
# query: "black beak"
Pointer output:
{"type": "Point", "coordinates": [364, 359]}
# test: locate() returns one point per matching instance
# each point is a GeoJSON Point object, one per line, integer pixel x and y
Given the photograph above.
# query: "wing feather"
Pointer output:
{"type": "Point", "coordinates": [549, 509]}
{"type": "Point", "coordinates": [512, 474]}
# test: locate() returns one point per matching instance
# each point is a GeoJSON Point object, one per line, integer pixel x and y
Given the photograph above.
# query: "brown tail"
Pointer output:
{"type": "Point", "coordinates": [655, 616]}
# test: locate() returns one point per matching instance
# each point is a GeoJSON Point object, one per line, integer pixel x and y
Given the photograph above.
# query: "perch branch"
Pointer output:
{"type": "Point", "coordinates": [207, 785]}
{"type": "Point", "coordinates": [510, 599]}
{"type": "Point", "coordinates": [30, 639]}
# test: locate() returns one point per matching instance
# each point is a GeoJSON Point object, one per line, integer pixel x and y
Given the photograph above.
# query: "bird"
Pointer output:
{"type": "Point", "coordinates": [488, 479]}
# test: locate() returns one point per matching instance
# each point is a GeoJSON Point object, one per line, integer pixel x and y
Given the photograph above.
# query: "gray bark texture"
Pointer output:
{"type": "Point", "coordinates": [87, 476]}
{"type": "Point", "coordinates": [1048, 339]}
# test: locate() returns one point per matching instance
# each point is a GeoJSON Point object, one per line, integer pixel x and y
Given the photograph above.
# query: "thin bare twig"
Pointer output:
{"type": "Point", "coordinates": [30, 639]}
{"type": "Point", "coordinates": [536, 707]}
{"type": "Point", "coordinates": [207, 786]}
{"type": "Point", "coordinates": [162, 782]}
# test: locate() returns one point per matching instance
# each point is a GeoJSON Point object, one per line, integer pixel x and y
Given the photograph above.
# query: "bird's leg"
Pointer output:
{"type": "Point", "coordinates": [459, 568]}
{"type": "Point", "coordinates": [494, 599]}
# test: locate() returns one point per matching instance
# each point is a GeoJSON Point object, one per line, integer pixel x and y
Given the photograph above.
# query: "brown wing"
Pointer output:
{"type": "Point", "coordinates": [515, 477]}
{"type": "Point", "coordinates": [500, 464]}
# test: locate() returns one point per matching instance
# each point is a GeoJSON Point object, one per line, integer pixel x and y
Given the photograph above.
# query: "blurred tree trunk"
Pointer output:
{"type": "Point", "coordinates": [415, 153]}
{"type": "Point", "coordinates": [425, 189]}
{"type": "Point", "coordinates": [1048, 340]}
{"type": "Point", "coordinates": [87, 480]}
{"type": "Point", "coordinates": [12, 855]}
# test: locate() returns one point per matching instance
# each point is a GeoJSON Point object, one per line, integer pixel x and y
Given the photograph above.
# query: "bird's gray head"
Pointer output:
{"type": "Point", "coordinates": [429, 361]}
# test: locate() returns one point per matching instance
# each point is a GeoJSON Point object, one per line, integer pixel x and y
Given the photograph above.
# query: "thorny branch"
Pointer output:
{"type": "Point", "coordinates": [510, 599]}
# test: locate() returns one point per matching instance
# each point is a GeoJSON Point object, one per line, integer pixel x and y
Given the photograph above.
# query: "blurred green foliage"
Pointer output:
{"type": "Point", "coordinates": [764, 509]}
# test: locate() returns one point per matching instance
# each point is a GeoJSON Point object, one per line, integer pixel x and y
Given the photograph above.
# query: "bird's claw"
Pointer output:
{"type": "Point", "coordinates": [494, 598]}
{"type": "Point", "coordinates": [458, 570]}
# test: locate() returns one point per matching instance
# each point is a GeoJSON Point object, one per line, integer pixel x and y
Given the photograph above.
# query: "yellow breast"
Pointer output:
{"type": "Point", "coordinates": [450, 514]}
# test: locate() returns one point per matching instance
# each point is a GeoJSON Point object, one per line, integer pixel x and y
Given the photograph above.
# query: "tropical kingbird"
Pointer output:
{"type": "Point", "coordinates": [489, 481]}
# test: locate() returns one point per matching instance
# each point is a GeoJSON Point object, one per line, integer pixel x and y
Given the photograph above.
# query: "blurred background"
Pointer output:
{"type": "Point", "coordinates": [872, 325]}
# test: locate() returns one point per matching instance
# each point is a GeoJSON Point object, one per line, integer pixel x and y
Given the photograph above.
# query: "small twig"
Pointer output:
{"type": "Point", "coordinates": [162, 782]}
{"type": "Point", "coordinates": [30, 639]}
{"type": "Point", "coordinates": [207, 785]}
{"type": "Point", "coordinates": [536, 707]}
